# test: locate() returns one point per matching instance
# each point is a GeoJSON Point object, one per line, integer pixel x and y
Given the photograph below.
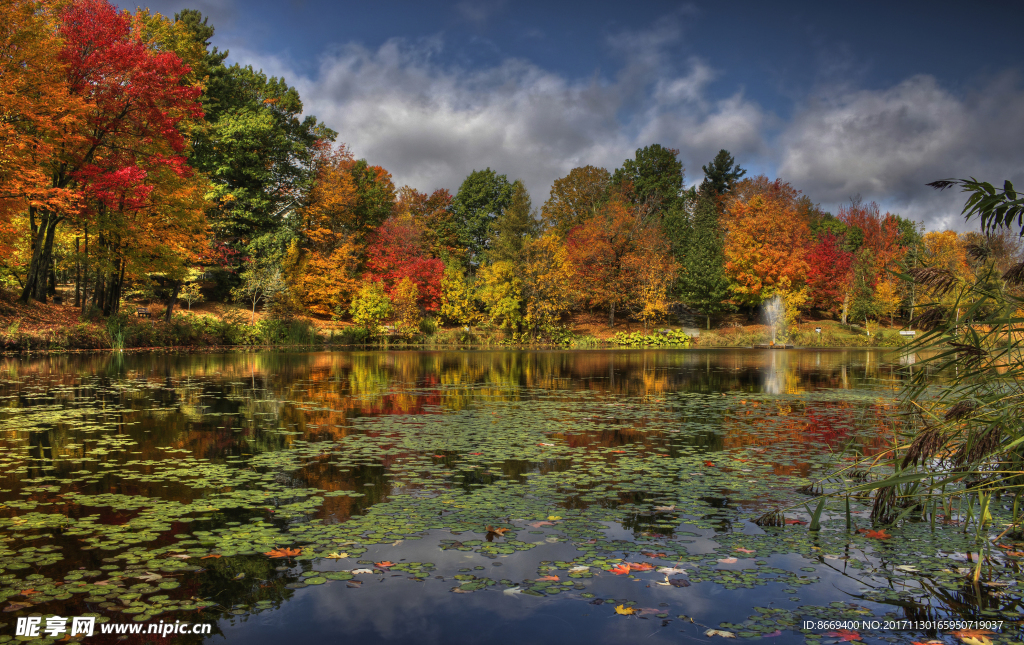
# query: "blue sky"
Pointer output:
{"type": "Point", "coordinates": [840, 99]}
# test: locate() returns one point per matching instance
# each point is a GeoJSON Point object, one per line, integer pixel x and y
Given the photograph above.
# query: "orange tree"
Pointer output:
{"type": "Point", "coordinates": [765, 241]}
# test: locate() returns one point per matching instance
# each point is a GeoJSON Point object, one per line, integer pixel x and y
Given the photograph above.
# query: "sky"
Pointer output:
{"type": "Point", "coordinates": [843, 100]}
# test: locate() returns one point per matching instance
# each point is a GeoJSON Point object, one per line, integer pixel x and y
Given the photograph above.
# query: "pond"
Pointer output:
{"type": "Point", "coordinates": [469, 497]}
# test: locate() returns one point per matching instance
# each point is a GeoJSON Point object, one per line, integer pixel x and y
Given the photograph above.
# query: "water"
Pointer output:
{"type": "Point", "coordinates": [150, 487]}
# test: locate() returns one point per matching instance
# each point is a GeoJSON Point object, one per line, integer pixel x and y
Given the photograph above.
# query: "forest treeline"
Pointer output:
{"type": "Point", "coordinates": [135, 163]}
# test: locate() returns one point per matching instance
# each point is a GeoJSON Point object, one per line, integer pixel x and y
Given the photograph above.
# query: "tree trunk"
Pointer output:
{"type": "Point", "coordinates": [35, 279]}
{"type": "Point", "coordinates": [78, 274]}
{"type": "Point", "coordinates": [846, 307]}
{"type": "Point", "coordinates": [611, 315]}
{"type": "Point", "coordinates": [85, 271]}
{"type": "Point", "coordinates": [709, 321]}
{"type": "Point", "coordinates": [170, 301]}
{"type": "Point", "coordinates": [51, 287]}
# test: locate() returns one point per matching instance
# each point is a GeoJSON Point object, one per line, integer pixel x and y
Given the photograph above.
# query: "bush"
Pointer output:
{"type": "Point", "coordinates": [658, 338]}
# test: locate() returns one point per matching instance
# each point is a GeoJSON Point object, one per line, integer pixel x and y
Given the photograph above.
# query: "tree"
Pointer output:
{"type": "Point", "coordinates": [511, 230]}
{"type": "Point", "coordinates": [721, 174]}
{"type": "Point", "coordinates": [260, 284]}
{"type": "Point", "coordinates": [655, 174]}
{"type": "Point", "coordinates": [191, 293]}
{"type": "Point", "coordinates": [702, 281]}
{"type": "Point", "coordinates": [405, 311]}
{"type": "Point", "coordinates": [457, 302]}
{"type": "Point", "coordinates": [482, 198]}
{"type": "Point", "coordinates": [375, 196]}
{"type": "Point", "coordinates": [765, 242]}
{"type": "Point", "coordinates": [433, 214]}
{"type": "Point", "coordinates": [828, 273]}
{"type": "Point", "coordinates": [612, 252]}
{"type": "Point", "coordinates": [396, 252]}
{"type": "Point", "coordinates": [371, 307]}
{"type": "Point", "coordinates": [136, 105]}
{"type": "Point", "coordinates": [575, 198]}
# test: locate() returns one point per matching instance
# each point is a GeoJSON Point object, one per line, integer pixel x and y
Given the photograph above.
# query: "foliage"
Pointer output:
{"type": "Point", "coordinates": [191, 293]}
{"type": "Point", "coordinates": [260, 283]}
{"type": "Point", "coordinates": [511, 230]}
{"type": "Point", "coordinates": [654, 175]}
{"type": "Point", "coordinates": [372, 307]}
{"type": "Point", "coordinates": [721, 174]}
{"type": "Point", "coordinates": [575, 198]}
{"type": "Point", "coordinates": [659, 338]}
{"type": "Point", "coordinates": [702, 280]}
{"type": "Point", "coordinates": [765, 245]}
{"type": "Point", "coordinates": [457, 300]}
{"type": "Point", "coordinates": [405, 310]}
{"type": "Point", "coordinates": [482, 198]}
{"type": "Point", "coordinates": [828, 273]}
{"type": "Point", "coordinates": [396, 253]}
{"type": "Point", "coordinates": [995, 207]}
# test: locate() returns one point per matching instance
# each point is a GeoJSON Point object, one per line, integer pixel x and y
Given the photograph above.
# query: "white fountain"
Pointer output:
{"type": "Point", "coordinates": [775, 316]}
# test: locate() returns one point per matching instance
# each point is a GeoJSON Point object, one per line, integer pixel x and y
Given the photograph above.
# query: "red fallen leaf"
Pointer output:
{"type": "Point", "coordinates": [654, 555]}
{"type": "Point", "coordinates": [845, 635]}
{"type": "Point", "coordinates": [28, 592]}
{"type": "Point", "coordinates": [476, 453]}
{"type": "Point", "coordinates": [537, 525]}
{"type": "Point", "coordinates": [491, 529]}
{"type": "Point", "coordinates": [1015, 554]}
{"type": "Point", "coordinates": [620, 569]}
{"type": "Point", "coordinates": [743, 460]}
{"type": "Point", "coordinates": [640, 566]}
{"type": "Point", "coordinates": [800, 522]}
{"type": "Point", "coordinates": [742, 550]}
{"type": "Point", "coordinates": [438, 456]}
{"type": "Point", "coordinates": [387, 564]}
{"type": "Point", "coordinates": [283, 553]}
{"type": "Point", "coordinates": [547, 579]}
{"type": "Point", "coordinates": [212, 555]}
{"type": "Point", "coordinates": [875, 535]}
{"type": "Point", "coordinates": [1005, 546]}
{"type": "Point", "coordinates": [708, 464]}
{"type": "Point", "coordinates": [619, 451]}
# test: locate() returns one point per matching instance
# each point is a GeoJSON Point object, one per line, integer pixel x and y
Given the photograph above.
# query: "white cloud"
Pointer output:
{"type": "Point", "coordinates": [885, 145]}
{"type": "Point", "coordinates": [431, 124]}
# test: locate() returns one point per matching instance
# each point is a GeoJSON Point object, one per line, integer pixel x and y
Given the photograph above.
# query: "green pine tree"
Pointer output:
{"type": "Point", "coordinates": [721, 174]}
{"type": "Point", "coordinates": [702, 282]}
{"type": "Point", "coordinates": [512, 228]}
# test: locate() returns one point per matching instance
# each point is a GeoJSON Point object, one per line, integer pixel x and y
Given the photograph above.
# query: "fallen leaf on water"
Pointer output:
{"type": "Point", "coordinates": [182, 556]}
{"type": "Point", "coordinates": [880, 534]}
{"type": "Point", "coordinates": [709, 465]}
{"type": "Point", "coordinates": [282, 553]}
{"type": "Point", "coordinates": [777, 632]}
{"type": "Point", "coordinates": [29, 592]}
{"type": "Point", "coordinates": [537, 525]}
{"type": "Point", "coordinates": [671, 571]}
{"type": "Point", "coordinates": [664, 509]}
{"type": "Point", "coordinates": [15, 606]}
{"type": "Point", "coordinates": [624, 610]}
{"type": "Point", "coordinates": [357, 572]}
{"type": "Point", "coordinates": [386, 564]}
{"type": "Point", "coordinates": [149, 576]}
{"type": "Point", "coordinates": [212, 555]}
{"type": "Point", "coordinates": [799, 522]}
{"type": "Point", "coordinates": [845, 635]}
{"type": "Point", "coordinates": [640, 566]}
{"type": "Point", "coordinates": [579, 569]}
{"type": "Point", "coordinates": [337, 556]}
{"type": "Point", "coordinates": [491, 529]}
{"type": "Point", "coordinates": [620, 569]}
{"type": "Point", "coordinates": [513, 591]}
{"type": "Point", "coordinates": [719, 632]}
{"type": "Point", "coordinates": [742, 550]}
{"type": "Point", "coordinates": [554, 518]}
{"type": "Point", "coordinates": [906, 567]}
{"type": "Point", "coordinates": [547, 579]}
{"type": "Point", "coordinates": [728, 560]}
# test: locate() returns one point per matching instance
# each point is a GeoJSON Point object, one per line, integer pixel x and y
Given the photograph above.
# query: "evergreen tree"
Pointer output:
{"type": "Point", "coordinates": [514, 227]}
{"type": "Point", "coordinates": [703, 283]}
{"type": "Point", "coordinates": [721, 174]}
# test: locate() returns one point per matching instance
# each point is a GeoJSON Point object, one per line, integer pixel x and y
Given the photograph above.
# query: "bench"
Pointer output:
{"type": "Point", "coordinates": [142, 312]}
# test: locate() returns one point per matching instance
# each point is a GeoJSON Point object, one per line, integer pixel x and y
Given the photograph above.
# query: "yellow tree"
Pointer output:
{"type": "Point", "coordinates": [575, 198]}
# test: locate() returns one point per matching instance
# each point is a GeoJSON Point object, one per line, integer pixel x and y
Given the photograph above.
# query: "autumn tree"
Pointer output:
{"type": "Point", "coordinates": [575, 198]}
{"type": "Point", "coordinates": [395, 252]}
{"type": "Point", "coordinates": [137, 105]}
{"type": "Point", "coordinates": [702, 280]}
{"type": "Point", "coordinates": [609, 252]}
{"type": "Point", "coordinates": [828, 273]}
{"type": "Point", "coordinates": [765, 243]}
{"type": "Point", "coordinates": [433, 214]}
